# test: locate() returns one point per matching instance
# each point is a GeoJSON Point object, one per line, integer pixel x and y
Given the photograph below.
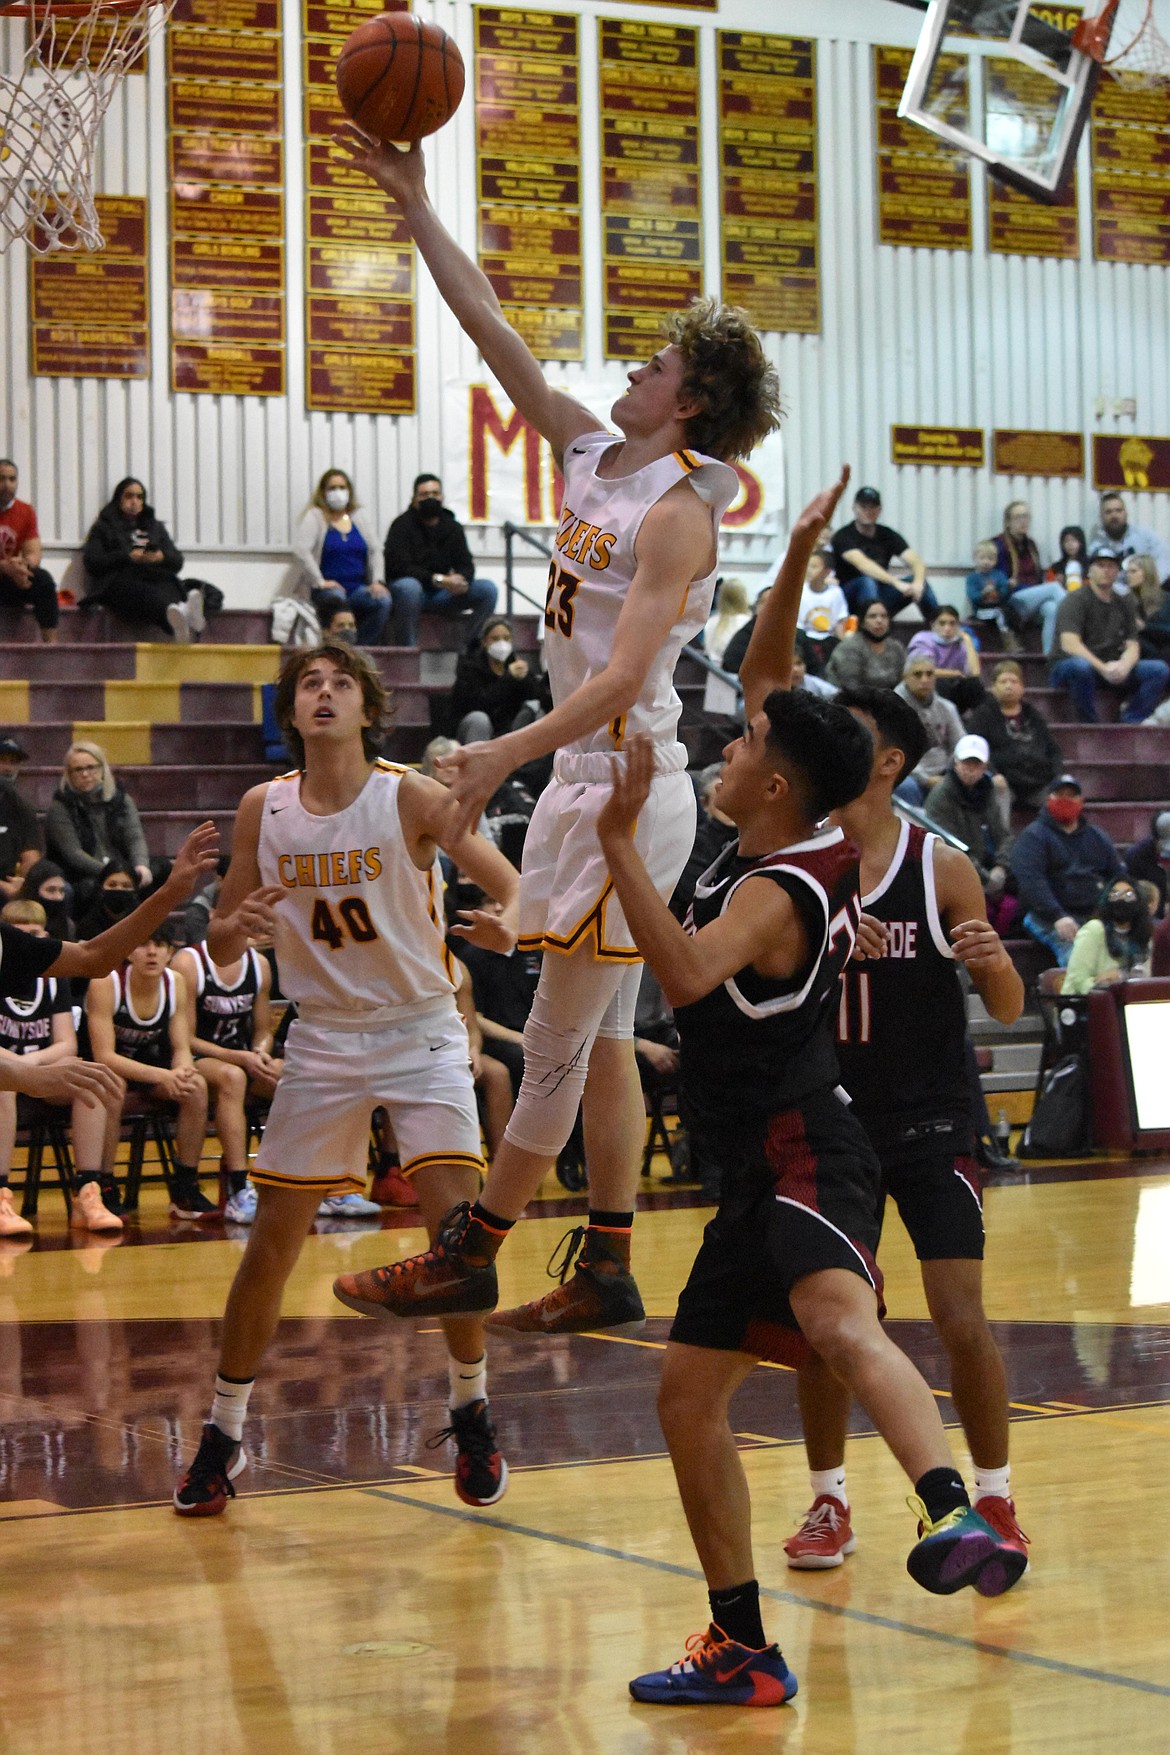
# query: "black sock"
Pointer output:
{"type": "Point", "coordinates": [941, 1491]}
{"type": "Point", "coordinates": [737, 1613]}
{"type": "Point", "coordinates": [187, 1174]}
{"type": "Point", "coordinates": [84, 1176]}
{"type": "Point", "coordinates": [236, 1179]}
{"type": "Point", "coordinates": [612, 1221]}
{"type": "Point", "coordinates": [493, 1221]}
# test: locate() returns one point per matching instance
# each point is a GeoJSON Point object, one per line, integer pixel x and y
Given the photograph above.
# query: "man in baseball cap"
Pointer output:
{"type": "Point", "coordinates": [875, 564]}
{"type": "Point", "coordinates": [968, 804]}
{"type": "Point", "coordinates": [1061, 863]}
{"type": "Point", "coordinates": [1096, 645]}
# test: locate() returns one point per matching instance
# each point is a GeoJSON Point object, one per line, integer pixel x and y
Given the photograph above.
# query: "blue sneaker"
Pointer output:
{"type": "Point", "coordinates": [240, 1208]}
{"type": "Point", "coordinates": [349, 1206]}
{"type": "Point", "coordinates": [718, 1672]}
{"type": "Point", "coordinates": [960, 1549]}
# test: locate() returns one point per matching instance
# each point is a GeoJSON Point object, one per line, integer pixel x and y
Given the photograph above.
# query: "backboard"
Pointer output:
{"type": "Point", "coordinates": [1030, 93]}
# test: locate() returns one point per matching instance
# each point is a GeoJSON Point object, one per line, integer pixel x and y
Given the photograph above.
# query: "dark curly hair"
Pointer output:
{"type": "Point", "coordinates": [725, 370]}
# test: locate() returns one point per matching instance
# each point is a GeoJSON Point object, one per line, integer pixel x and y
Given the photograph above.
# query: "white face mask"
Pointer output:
{"type": "Point", "coordinates": [337, 499]}
{"type": "Point", "coordinates": [500, 650]}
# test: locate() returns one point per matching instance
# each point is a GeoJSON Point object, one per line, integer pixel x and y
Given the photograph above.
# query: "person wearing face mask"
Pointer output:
{"type": "Point", "coordinates": [340, 623]}
{"type": "Point", "coordinates": [20, 837]}
{"type": "Point", "coordinates": [495, 689]}
{"type": "Point", "coordinates": [1060, 863]}
{"type": "Point", "coordinates": [871, 658]}
{"type": "Point", "coordinates": [134, 566]}
{"type": "Point", "coordinates": [93, 824]}
{"type": "Point", "coordinates": [337, 551]}
{"type": "Point", "coordinates": [1114, 944]}
{"type": "Point", "coordinates": [115, 897]}
{"type": "Point", "coordinates": [429, 564]}
{"type": "Point", "coordinates": [45, 883]}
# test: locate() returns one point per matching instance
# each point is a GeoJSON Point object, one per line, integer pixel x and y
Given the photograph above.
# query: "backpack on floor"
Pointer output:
{"type": "Point", "coordinates": [1060, 1124]}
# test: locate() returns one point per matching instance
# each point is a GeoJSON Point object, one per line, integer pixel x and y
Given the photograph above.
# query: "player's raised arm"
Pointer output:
{"type": "Point", "coordinates": [767, 663]}
{"type": "Point", "coordinates": [196, 858]}
{"type": "Point", "coordinates": [468, 292]}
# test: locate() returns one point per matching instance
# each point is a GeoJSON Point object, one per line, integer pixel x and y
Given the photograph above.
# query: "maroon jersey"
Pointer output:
{"type": "Point", "coordinates": [754, 1046]}
{"type": "Point", "coordinates": [902, 1022]}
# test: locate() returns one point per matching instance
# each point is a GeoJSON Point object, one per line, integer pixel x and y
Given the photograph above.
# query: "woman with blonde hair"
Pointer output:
{"type": "Point", "coordinates": [731, 612]}
{"type": "Point", "coordinates": [336, 548]}
{"type": "Point", "coordinates": [93, 823]}
{"type": "Point", "coordinates": [1152, 602]}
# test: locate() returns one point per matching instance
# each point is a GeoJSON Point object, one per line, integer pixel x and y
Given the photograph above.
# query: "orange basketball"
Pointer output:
{"type": "Point", "coordinates": [399, 77]}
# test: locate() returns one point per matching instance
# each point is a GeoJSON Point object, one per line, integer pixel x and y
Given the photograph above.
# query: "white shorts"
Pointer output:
{"type": "Point", "coordinates": [566, 893]}
{"type": "Point", "coordinates": [318, 1129]}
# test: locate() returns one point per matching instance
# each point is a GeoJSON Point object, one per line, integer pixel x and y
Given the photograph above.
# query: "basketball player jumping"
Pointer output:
{"type": "Point", "coordinates": [631, 582]}
{"type": "Point", "coordinates": [339, 862]}
{"type": "Point", "coordinates": [900, 1044]}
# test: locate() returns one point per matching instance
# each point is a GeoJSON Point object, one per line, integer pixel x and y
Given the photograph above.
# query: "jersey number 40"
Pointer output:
{"type": "Point", "coordinates": [354, 922]}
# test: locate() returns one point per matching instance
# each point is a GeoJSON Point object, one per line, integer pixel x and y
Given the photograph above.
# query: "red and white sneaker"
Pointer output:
{"type": "Point", "coordinates": [1001, 1515]}
{"type": "Point", "coordinates": [823, 1539]}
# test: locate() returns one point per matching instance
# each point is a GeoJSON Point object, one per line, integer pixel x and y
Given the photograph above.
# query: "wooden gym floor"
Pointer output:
{"type": "Point", "coordinates": [348, 1601]}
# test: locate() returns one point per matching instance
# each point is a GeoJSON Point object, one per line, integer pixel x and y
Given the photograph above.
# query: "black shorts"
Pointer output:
{"type": "Point", "coordinates": [801, 1194]}
{"type": "Point", "coordinates": [939, 1197]}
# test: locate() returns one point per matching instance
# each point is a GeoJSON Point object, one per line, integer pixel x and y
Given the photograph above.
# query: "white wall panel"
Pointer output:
{"type": "Point", "coordinates": [931, 337]}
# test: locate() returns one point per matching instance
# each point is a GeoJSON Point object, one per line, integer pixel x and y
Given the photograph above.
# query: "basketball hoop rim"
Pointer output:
{"type": "Point", "coordinates": [73, 8]}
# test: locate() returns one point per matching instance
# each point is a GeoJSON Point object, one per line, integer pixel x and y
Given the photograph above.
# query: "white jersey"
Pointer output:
{"type": "Point", "coordinates": [359, 934]}
{"type": "Point", "coordinates": [591, 574]}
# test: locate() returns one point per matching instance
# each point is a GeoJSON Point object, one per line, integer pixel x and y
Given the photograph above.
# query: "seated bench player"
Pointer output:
{"type": "Point", "coordinates": [231, 1040]}
{"type": "Point", "coordinates": [139, 1027]}
{"type": "Point", "coordinates": [36, 1027]}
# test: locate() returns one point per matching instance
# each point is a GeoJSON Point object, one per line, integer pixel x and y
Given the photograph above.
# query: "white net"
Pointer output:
{"type": "Point", "coordinates": [1138, 53]}
{"type": "Point", "coordinates": [52, 104]}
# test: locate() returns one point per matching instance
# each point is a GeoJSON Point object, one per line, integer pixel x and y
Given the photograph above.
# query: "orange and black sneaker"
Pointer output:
{"type": "Point", "coordinates": [455, 1278]}
{"type": "Point", "coordinates": [1000, 1513]}
{"type": "Point", "coordinates": [207, 1486]}
{"type": "Point", "coordinates": [717, 1671]}
{"type": "Point", "coordinates": [481, 1474]}
{"type": "Point", "coordinates": [602, 1293]}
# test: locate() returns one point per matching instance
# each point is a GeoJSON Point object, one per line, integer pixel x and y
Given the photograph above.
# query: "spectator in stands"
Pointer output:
{"type": "Point", "coordinates": [712, 833]}
{"type": "Point", "coordinates": [337, 549]}
{"type": "Point", "coordinates": [1023, 749]}
{"type": "Point", "coordinates": [955, 658]}
{"type": "Point", "coordinates": [503, 988]}
{"type": "Point", "coordinates": [1115, 532]}
{"type": "Point", "coordinates": [115, 896]}
{"type": "Point", "coordinates": [139, 1027]}
{"type": "Point", "coordinates": [871, 562]}
{"type": "Point", "coordinates": [429, 565]}
{"type": "Point", "coordinates": [45, 883]}
{"type": "Point", "coordinates": [803, 679]}
{"type": "Point", "coordinates": [1061, 863]}
{"type": "Point", "coordinates": [731, 612]}
{"type": "Point", "coordinates": [36, 1026]}
{"type": "Point", "coordinates": [1148, 860]}
{"type": "Point", "coordinates": [988, 590]}
{"type": "Point", "coordinates": [1016, 553]}
{"type": "Point", "coordinates": [1069, 566]}
{"type": "Point", "coordinates": [733, 652]}
{"type": "Point", "coordinates": [135, 566]}
{"type": "Point", "coordinates": [93, 823]}
{"type": "Point", "coordinates": [24, 583]}
{"type": "Point", "coordinates": [1114, 944]}
{"type": "Point", "coordinates": [20, 837]}
{"type": "Point", "coordinates": [1097, 644]}
{"type": "Point", "coordinates": [495, 688]}
{"type": "Point", "coordinates": [823, 616]}
{"type": "Point", "coordinates": [940, 721]}
{"type": "Point", "coordinates": [871, 658]}
{"type": "Point", "coordinates": [338, 622]}
{"type": "Point", "coordinates": [1153, 605]}
{"type": "Point", "coordinates": [969, 805]}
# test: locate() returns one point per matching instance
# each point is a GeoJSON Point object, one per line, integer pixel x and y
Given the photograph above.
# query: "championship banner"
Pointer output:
{"type": "Point", "coordinates": [1017, 225]}
{"type": "Point", "coordinates": [504, 470]}
{"type": "Point", "coordinates": [924, 186]}
{"type": "Point", "coordinates": [89, 310]}
{"type": "Point", "coordinates": [1131, 173]}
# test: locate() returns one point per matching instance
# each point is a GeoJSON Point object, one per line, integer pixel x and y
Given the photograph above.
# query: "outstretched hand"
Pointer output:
{"type": "Point", "coordinates": [819, 511]}
{"type": "Point", "coordinates": [631, 788]}
{"type": "Point", "coordinates": [473, 775]}
{"type": "Point", "coordinates": [196, 858]}
{"type": "Point", "coordinates": [254, 916]}
{"type": "Point", "coordinates": [401, 173]}
{"type": "Point", "coordinates": [491, 928]}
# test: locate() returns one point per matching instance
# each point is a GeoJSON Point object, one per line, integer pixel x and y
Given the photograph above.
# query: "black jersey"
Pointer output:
{"type": "Point", "coordinates": [223, 1013]}
{"type": "Point", "coordinates": [902, 1022]}
{"type": "Point", "coordinates": [754, 1046]}
{"type": "Point", "coordinates": [23, 957]}
{"type": "Point", "coordinates": [26, 1023]}
{"type": "Point", "coordinates": [147, 1040]}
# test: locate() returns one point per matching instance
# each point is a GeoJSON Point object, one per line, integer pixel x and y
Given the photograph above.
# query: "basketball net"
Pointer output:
{"type": "Point", "coordinates": [1126, 40]}
{"type": "Point", "coordinates": [51, 107]}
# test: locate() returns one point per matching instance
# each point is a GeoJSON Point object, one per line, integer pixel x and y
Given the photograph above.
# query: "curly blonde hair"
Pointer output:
{"type": "Point", "coordinates": [725, 370]}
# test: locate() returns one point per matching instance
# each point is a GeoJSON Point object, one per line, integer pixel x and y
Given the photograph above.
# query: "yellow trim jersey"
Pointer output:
{"type": "Point", "coordinates": [359, 933]}
{"type": "Point", "coordinates": [593, 567]}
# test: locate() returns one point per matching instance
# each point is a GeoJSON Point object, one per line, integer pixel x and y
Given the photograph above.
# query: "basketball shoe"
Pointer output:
{"type": "Point", "coordinates": [455, 1278]}
{"type": "Point", "coordinates": [390, 1188]}
{"type": "Point", "coordinates": [718, 1672]}
{"type": "Point", "coordinates": [961, 1549]}
{"type": "Point", "coordinates": [823, 1539]}
{"type": "Point", "coordinates": [11, 1223]}
{"type": "Point", "coordinates": [207, 1486]}
{"type": "Point", "coordinates": [601, 1294]}
{"type": "Point", "coordinates": [188, 1200]}
{"type": "Point", "coordinates": [90, 1213]}
{"type": "Point", "coordinates": [481, 1474]}
{"type": "Point", "coordinates": [1000, 1513]}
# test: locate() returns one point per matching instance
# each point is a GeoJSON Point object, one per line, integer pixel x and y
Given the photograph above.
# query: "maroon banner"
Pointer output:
{"type": "Point", "coordinates": [89, 310]}
{"type": "Point", "coordinates": [923, 186]}
{"type": "Point", "coordinates": [1131, 173]}
{"type": "Point", "coordinates": [1142, 465]}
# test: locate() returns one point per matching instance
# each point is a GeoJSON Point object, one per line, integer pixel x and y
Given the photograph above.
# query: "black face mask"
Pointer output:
{"type": "Point", "coordinates": [1121, 913]}
{"type": "Point", "coordinates": [118, 903]}
{"type": "Point", "coordinates": [347, 636]}
{"type": "Point", "coordinates": [875, 639]}
{"type": "Point", "coordinates": [430, 511]}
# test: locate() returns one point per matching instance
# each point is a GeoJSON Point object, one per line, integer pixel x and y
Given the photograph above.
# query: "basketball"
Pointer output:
{"type": "Point", "coordinates": [399, 77]}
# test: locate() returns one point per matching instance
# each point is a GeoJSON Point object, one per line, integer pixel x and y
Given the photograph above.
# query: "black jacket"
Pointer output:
{"type": "Point", "coordinates": [1029, 760]}
{"type": "Point", "coordinates": [111, 541]}
{"type": "Point", "coordinates": [477, 688]}
{"type": "Point", "coordinates": [86, 832]}
{"type": "Point", "coordinates": [1060, 873]}
{"type": "Point", "coordinates": [1144, 866]}
{"type": "Point", "coordinates": [416, 550]}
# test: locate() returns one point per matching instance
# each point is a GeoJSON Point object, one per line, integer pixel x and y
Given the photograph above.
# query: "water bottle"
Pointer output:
{"type": "Point", "coordinates": [1003, 1133]}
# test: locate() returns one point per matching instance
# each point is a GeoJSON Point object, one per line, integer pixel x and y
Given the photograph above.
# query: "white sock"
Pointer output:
{"type": "Point", "coordinates": [468, 1382]}
{"type": "Point", "coordinates": [829, 1481]}
{"type": "Point", "coordinates": [992, 1484]}
{"type": "Point", "coordinates": [230, 1407]}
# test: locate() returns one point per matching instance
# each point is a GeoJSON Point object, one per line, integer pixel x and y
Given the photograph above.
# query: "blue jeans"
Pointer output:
{"type": "Point", "coordinates": [863, 591]}
{"type": "Point", "coordinates": [1144, 687]}
{"type": "Point", "coordinates": [411, 599]}
{"type": "Point", "coordinates": [1039, 603]}
{"type": "Point", "coordinates": [371, 613]}
{"type": "Point", "coordinates": [1061, 948]}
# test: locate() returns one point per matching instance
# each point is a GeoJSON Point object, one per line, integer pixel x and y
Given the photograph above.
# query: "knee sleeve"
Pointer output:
{"type": "Point", "coordinates": [618, 1021]}
{"type": "Point", "coordinates": [555, 1065]}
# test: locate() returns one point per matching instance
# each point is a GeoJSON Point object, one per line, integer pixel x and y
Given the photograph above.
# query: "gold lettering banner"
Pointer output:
{"type": "Point", "coordinates": [89, 310]}
{"type": "Point", "coordinates": [938, 447]}
{"type": "Point", "coordinates": [923, 186]}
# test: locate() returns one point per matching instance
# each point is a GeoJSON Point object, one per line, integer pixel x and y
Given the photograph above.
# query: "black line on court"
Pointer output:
{"type": "Point", "coordinates": [1031, 1660]}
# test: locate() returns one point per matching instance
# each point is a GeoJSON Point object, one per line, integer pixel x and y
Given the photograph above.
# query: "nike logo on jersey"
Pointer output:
{"type": "Point", "coordinates": [276, 809]}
